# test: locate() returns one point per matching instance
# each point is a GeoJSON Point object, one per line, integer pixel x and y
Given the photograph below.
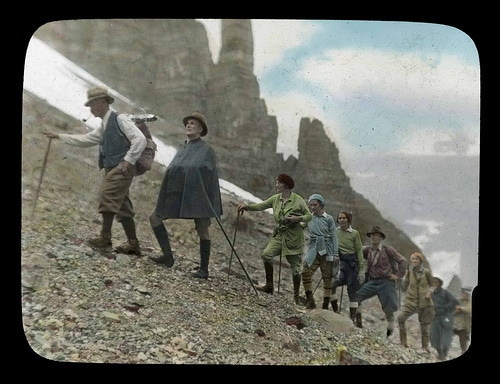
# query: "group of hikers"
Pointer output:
{"type": "Point", "coordinates": [304, 233]}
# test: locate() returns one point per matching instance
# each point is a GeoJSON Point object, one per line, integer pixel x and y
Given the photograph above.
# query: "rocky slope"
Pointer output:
{"type": "Point", "coordinates": [83, 305]}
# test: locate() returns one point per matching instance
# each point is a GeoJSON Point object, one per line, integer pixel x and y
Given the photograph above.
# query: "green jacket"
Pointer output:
{"type": "Point", "coordinates": [416, 284]}
{"type": "Point", "coordinates": [293, 234]}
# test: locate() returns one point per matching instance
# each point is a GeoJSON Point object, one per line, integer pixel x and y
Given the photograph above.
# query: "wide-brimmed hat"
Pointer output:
{"type": "Point", "coordinates": [376, 229]}
{"type": "Point", "coordinates": [98, 93]}
{"type": "Point", "coordinates": [198, 116]}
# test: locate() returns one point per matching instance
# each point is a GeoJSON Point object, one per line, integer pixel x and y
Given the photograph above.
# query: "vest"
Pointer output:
{"type": "Point", "coordinates": [114, 144]}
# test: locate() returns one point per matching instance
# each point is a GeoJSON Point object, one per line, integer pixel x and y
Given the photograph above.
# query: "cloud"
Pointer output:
{"type": "Point", "coordinates": [445, 264]}
{"type": "Point", "coordinates": [428, 141]}
{"type": "Point", "coordinates": [400, 94]}
{"type": "Point", "coordinates": [274, 38]}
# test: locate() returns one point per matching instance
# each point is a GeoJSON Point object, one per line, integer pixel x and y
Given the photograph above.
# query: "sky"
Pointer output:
{"type": "Point", "coordinates": [377, 86]}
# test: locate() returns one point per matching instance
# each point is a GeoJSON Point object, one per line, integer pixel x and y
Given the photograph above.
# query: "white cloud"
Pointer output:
{"type": "Point", "coordinates": [432, 142]}
{"type": "Point", "coordinates": [445, 264]}
{"type": "Point", "coordinates": [272, 38]}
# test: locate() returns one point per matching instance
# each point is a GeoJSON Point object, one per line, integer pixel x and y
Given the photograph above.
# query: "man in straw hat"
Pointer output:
{"type": "Point", "coordinates": [120, 146]}
{"type": "Point", "coordinates": [384, 266]}
{"type": "Point", "coordinates": [190, 190]}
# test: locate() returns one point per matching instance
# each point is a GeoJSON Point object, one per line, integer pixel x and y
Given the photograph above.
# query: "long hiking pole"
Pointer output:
{"type": "Point", "coordinates": [279, 267]}
{"type": "Point", "coordinates": [317, 285]}
{"type": "Point", "coordinates": [341, 296]}
{"type": "Point", "coordinates": [234, 251]}
{"type": "Point", "coordinates": [234, 241]}
{"type": "Point", "coordinates": [41, 174]}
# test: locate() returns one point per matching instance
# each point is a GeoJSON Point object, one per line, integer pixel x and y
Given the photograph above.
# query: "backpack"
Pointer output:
{"type": "Point", "coordinates": [147, 157]}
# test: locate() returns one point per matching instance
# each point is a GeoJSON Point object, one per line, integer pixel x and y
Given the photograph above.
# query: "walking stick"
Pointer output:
{"type": "Point", "coordinates": [237, 257]}
{"type": "Point", "coordinates": [279, 268]}
{"type": "Point", "coordinates": [234, 241]}
{"type": "Point", "coordinates": [41, 174]}
{"type": "Point", "coordinates": [317, 285]}
{"type": "Point", "coordinates": [341, 295]}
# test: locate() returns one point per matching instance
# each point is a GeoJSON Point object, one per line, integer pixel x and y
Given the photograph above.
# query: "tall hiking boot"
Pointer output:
{"type": "Point", "coordinates": [335, 305]}
{"type": "Point", "coordinates": [161, 235]}
{"type": "Point", "coordinates": [326, 302]}
{"type": "Point", "coordinates": [402, 336]}
{"type": "Point", "coordinates": [269, 287]}
{"type": "Point", "coordinates": [132, 246]}
{"type": "Point", "coordinates": [358, 320]}
{"type": "Point", "coordinates": [104, 239]}
{"type": "Point", "coordinates": [425, 341]}
{"type": "Point", "coordinates": [352, 314]}
{"type": "Point", "coordinates": [296, 288]}
{"type": "Point", "coordinates": [202, 273]}
{"type": "Point", "coordinates": [310, 304]}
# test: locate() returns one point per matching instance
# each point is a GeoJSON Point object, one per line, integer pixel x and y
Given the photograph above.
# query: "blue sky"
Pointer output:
{"type": "Point", "coordinates": [377, 86]}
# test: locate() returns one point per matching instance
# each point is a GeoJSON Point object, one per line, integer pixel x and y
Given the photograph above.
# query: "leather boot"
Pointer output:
{"type": "Point", "coordinates": [402, 336]}
{"type": "Point", "coordinates": [358, 320]}
{"type": "Point", "coordinates": [310, 304]}
{"type": "Point", "coordinates": [132, 246]}
{"type": "Point", "coordinates": [425, 341]}
{"type": "Point", "coordinates": [269, 287]}
{"type": "Point", "coordinates": [162, 237]}
{"type": "Point", "coordinates": [335, 305]}
{"type": "Point", "coordinates": [296, 288]}
{"type": "Point", "coordinates": [326, 302]}
{"type": "Point", "coordinates": [352, 314]}
{"type": "Point", "coordinates": [104, 239]}
{"type": "Point", "coordinates": [202, 273]}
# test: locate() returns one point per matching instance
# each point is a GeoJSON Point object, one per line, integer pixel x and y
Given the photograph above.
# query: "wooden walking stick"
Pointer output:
{"type": "Point", "coordinates": [317, 285]}
{"type": "Point", "coordinates": [234, 241]}
{"type": "Point", "coordinates": [41, 174]}
{"type": "Point", "coordinates": [341, 297]}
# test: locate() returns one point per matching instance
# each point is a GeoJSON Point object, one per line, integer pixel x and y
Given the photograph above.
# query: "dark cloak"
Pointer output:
{"type": "Point", "coordinates": [190, 188]}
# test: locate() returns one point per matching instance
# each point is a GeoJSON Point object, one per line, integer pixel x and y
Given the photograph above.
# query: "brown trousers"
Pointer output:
{"type": "Point", "coordinates": [114, 194]}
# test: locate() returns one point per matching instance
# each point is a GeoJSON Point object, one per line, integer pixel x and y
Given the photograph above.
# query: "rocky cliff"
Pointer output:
{"type": "Point", "coordinates": [165, 66]}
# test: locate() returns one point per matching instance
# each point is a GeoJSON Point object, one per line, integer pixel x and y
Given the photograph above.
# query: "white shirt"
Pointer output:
{"type": "Point", "coordinates": [94, 137]}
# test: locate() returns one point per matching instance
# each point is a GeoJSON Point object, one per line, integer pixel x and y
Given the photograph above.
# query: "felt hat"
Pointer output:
{"type": "Point", "coordinates": [287, 180]}
{"type": "Point", "coordinates": [316, 196]}
{"type": "Point", "coordinates": [376, 229]}
{"type": "Point", "coordinates": [98, 93]}
{"type": "Point", "coordinates": [197, 116]}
